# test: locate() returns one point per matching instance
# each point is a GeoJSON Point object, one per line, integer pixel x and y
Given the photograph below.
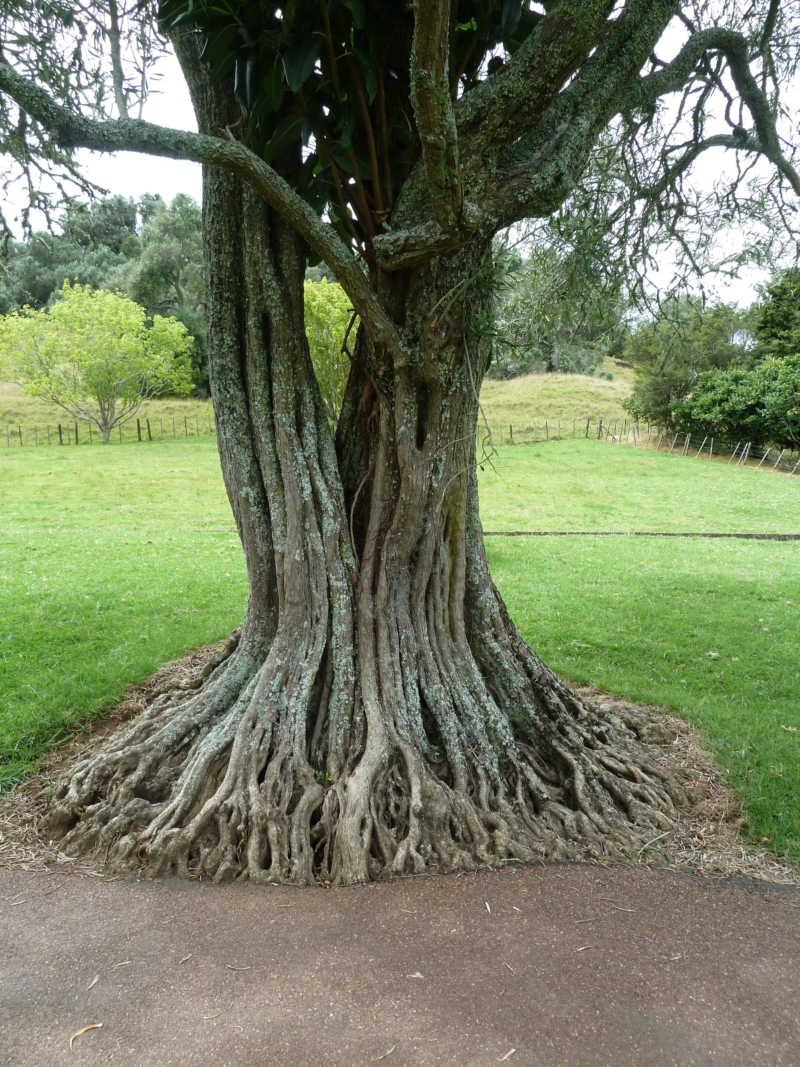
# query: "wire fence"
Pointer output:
{"type": "Point", "coordinates": [741, 453]}
{"type": "Point", "coordinates": [83, 433]}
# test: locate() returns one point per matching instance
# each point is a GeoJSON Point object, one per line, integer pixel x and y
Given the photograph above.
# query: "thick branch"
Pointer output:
{"type": "Point", "coordinates": [70, 130]}
{"type": "Point", "coordinates": [433, 109]}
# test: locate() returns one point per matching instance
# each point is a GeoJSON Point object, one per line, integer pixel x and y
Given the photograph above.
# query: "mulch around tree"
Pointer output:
{"type": "Point", "coordinates": [551, 966]}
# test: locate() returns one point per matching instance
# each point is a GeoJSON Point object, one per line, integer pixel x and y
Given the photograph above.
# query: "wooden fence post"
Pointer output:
{"type": "Point", "coordinates": [700, 449]}
{"type": "Point", "coordinates": [185, 426]}
{"type": "Point", "coordinates": [777, 461]}
{"type": "Point", "coordinates": [76, 433]}
{"type": "Point", "coordinates": [587, 425]}
{"type": "Point", "coordinates": [60, 435]}
{"type": "Point", "coordinates": [764, 457]}
{"type": "Point", "coordinates": [149, 435]}
{"type": "Point", "coordinates": [733, 454]}
{"type": "Point", "coordinates": [20, 436]}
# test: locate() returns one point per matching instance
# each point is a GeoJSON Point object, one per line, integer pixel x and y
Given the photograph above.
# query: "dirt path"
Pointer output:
{"type": "Point", "coordinates": [568, 966]}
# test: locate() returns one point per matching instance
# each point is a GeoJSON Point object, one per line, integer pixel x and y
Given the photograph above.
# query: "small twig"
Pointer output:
{"type": "Point", "coordinates": [232, 968]}
{"type": "Point", "coordinates": [216, 1014]}
{"type": "Point", "coordinates": [507, 1056]}
{"type": "Point", "coordinates": [83, 1029]}
{"type": "Point", "coordinates": [383, 1057]}
{"type": "Point", "coordinates": [185, 958]}
{"type": "Point", "coordinates": [509, 967]}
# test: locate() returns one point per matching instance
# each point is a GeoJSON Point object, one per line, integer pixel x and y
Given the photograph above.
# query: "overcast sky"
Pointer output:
{"type": "Point", "coordinates": [131, 174]}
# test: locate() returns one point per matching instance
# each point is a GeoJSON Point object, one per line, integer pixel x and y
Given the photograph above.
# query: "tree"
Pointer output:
{"type": "Point", "coordinates": [378, 712]}
{"type": "Point", "coordinates": [760, 404]}
{"type": "Point", "coordinates": [94, 355]}
{"type": "Point", "coordinates": [328, 320]}
{"type": "Point", "coordinates": [555, 312]}
{"type": "Point", "coordinates": [96, 244]}
{"type": "Point", "coordinates": [684, 341]}
{"type": "Point", "coordinates": [167, 276]}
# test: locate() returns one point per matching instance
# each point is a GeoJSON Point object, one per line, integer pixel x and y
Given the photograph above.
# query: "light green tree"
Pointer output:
{"type": "Point", "coordinates": [95, 355]}
{"type": "Point", "coordinates": [328, 316]}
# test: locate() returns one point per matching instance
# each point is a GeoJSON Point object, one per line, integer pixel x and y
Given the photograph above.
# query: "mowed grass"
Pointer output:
{"type": "Point", "coordinates": [114, 561]}
{"type": "Point", "coordinates": [594, 485]}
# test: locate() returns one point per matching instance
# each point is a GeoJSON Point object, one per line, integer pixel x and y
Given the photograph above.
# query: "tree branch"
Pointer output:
{"type": "Point", "coordinates": [734, 47]}
{"type": "Point", "coordinates": [433, 109]}
{"type": "Point", "coordinates": [70, 130]}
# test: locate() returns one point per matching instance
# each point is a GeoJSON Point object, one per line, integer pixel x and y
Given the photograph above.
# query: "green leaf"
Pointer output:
{"type": "Point", "coordinates": [345, 123]}
{"type": "Point", "coordinates": [287, 130]}
{"type": "Point", "coordinates": [512, 10]}
{"type": "Point", "coordinates": [300, 59]}
{"type": "Point", "coordinates": [356, 9]}
{"type": "Point", "coordinates": [369, 72]}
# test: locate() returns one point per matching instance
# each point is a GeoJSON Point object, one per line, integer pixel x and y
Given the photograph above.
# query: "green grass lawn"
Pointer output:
{"type": "Point", "coordinates": [114, 561]}
{"type": "Point", "coordinates": [592, 485]}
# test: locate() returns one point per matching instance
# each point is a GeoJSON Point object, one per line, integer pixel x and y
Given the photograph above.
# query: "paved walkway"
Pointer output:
{"type": "Point", "coordinates": [535, 967]}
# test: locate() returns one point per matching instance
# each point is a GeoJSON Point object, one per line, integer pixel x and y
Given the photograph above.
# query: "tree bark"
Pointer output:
{"type": "Point", "coordinates": [378, 712]}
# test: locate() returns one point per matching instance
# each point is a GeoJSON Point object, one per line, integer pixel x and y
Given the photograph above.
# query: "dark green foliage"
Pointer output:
{"type": "Point", "coordinates": [94, 247]}
{"type": "Point", "coordinates": [759, 404]}
{"type": "Point", "coordinates": [777, 321]}
{"type": "Point", "coordinates": [682, 342]}
{"type": "Point", "coordinates": [755, 398]}
{"type": "Point", "coordinates": [335, 79]}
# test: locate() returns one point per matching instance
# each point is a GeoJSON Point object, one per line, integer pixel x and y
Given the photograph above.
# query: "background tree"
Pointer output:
{"type": "Point", "coordinates": [673, 350]}
{"type": "Point", "coordinates": [378, 712]}
{"type": "Point", "coordinates": [95, 245]}
{"type": "Point", "coordinates": [329, 320]}
{"type": "Point", "coordinates": [94, 355]}
{"type": "Point", "coordinates": [555, 313]}
{"type": "Point", "coordinates": [167, 276]}
{"type": "Point", "coordinates": [757, 398]}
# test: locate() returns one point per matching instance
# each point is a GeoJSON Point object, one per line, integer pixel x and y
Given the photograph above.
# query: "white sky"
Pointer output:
{"type": "Point", "coordinates": [131, 174]}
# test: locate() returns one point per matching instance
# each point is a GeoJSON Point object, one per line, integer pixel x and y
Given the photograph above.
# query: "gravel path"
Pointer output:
{"type": "Point", "coordinates": [561, 966]}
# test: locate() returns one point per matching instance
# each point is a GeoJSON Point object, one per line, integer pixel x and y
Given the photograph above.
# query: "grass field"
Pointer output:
{"type": "Point", "coordinates": [115, 561]}
{"type": "Point", "coordinates": [593, 485]}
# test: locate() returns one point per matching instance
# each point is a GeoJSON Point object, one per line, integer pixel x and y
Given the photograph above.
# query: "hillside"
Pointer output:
{"type": "Point", "coordinates": [534, 398]}
{"type": "Point", "coordinates": [520, 402]}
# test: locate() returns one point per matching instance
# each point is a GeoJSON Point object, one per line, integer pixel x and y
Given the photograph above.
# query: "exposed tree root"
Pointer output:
{"type": "Point", "coordinates": [226, 784]}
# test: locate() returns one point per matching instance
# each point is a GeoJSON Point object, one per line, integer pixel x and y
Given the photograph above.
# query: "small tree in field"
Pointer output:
{"type": "Point", "coordinates": [94, 354]}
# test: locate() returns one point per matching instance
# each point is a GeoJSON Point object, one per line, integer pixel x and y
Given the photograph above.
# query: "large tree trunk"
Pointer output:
{"type": "Point", "coordinates": [377, 712]}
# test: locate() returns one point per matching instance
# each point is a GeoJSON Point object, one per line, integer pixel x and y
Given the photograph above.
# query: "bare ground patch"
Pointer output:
{"type": "Point", "coordinates": [706, 838]}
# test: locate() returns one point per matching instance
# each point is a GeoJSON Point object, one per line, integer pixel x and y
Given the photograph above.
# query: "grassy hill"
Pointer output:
{"type": "Point", "coordinates": [521, 403]}
{"type": "Point", "coordinates": [534, 398]}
